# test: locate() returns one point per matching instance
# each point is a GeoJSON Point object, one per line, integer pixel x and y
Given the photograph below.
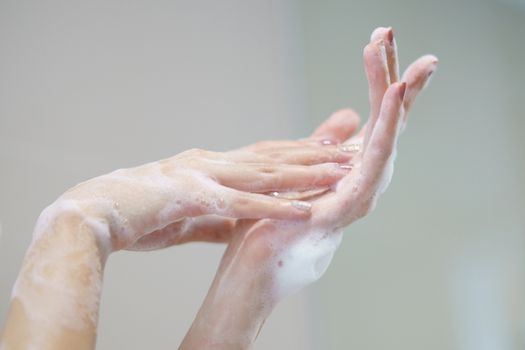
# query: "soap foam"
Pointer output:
{"type": "Point", "coordinates": [304, 261]}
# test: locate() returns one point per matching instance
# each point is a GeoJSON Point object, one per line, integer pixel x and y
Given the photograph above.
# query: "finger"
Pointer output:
{"type": "Point", "coordinates": [378, 79]}
{"type": "Point", "coordinates": [264, 145]}
{"type": "Point", "coordinates": [356, 193]}
{"type": "Point", "coordinates": [417, 76]}
{"type": "Point", "coordinates": [387, 35]}
{"type": "Point", "coordinates": [302, 195]}
{"type": "Point", "coordinates": [305, 155]}
{"type": "Point", "coordinates": [252, 177]}
{"type": "Point", "coordinates": [339, 127]}
{"type": "Point", "coordinates": [205, 228]}
{"type": "Point", "coordinates": [245, 205]}
{"type": "Point", "coordinates": [276, 144]}
{"type": "Point", "coordinates": [382, 141]}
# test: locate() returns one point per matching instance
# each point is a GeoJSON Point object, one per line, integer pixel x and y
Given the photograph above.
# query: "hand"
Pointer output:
{"type": "Point", "coordinates": [321, 147]}
{"type": "Point", "coordinates": [55, 301]}
{"type": "Point", "coordinates": [268, 259]}
{"type": "Point", "coordinates": [129, 203]}
{"type": "Point", "coordinates": [308, 246]}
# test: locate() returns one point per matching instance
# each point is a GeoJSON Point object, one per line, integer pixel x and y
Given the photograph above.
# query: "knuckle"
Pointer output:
{"type": "Point", "coordinates": [268, 169]}
{"type": "Point", "coordinates": [165, 167]}
{"type": "Point", "coordinates": [242, 202]}
{"type": "Point", "coordinates": [192, 161]}
{"type": "Point", "coordinates": [193, 152]}
{"type": "Point", "coordinates": [276, 155]}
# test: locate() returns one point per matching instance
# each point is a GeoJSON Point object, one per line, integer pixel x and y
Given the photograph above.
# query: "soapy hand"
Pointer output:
{"type": "Point", "coordinates": [157, 204]}
{"type": "Point", "coordinates": [322, 147]}
{"type": "Point", "coordinates": [306, 248]}
{"type": "Point", "coordinates": [267, 260]}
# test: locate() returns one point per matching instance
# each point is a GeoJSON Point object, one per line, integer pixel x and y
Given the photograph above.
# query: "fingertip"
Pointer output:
{"type": "Point", "coordinates": [334, 172]}
{"type": "Point", "coordinates": [300, 209]}
{"type": "Point", "coordinates": [430, 58]}
{"type": "Point", "coordinates": [344, 114]}
{"type": "Point", "coordinates": [302, 205]}
{"type": "Point", "coordinates": [432, 65]}
{"type": "Point", "coordinates": [338, 127]}
{"type": "Point", "coordinates": [352, 116]}
{"type": "Point", "coordinates": [379, 33]}
{"type": "Point", "coordinates": [347, 121]}
{"type": "Point", "coordinates": [420, 68]}
{"type": "Point", "coordinates": [390, 35]}
{"type": "Point", "coordinates": [417, 77]}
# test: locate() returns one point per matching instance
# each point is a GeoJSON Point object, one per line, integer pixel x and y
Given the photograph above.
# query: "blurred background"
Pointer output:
{"type": "Point", "coordinates": [88, 87]}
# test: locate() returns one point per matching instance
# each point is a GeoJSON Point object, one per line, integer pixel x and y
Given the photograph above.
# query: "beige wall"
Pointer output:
{"type": "Point", "coordinates": [87, 87]}
{"type": "Point", "coordinates": [441, 263]}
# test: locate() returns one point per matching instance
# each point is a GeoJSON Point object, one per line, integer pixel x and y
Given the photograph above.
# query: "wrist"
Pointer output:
{"type": "Point", "coordinates": [71, 223]}
{"type": "Point", "coordinates": [58, 288]}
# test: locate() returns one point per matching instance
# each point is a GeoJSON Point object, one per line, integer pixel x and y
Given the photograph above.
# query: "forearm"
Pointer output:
{"type": "Point", "coordinates": [264, 263]}
{"type": "Point", "coordinates": [237, 304]}
{"type": "Point", "coordinates": [229, 320]}
{"type": "Point", "coordinates": [56, 297]}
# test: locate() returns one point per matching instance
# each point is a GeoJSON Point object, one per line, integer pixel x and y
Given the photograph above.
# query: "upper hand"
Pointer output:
{"type": "Point", "coordinates": [309, 245]}
{"type": "Point", "coordinates": [128, 204]}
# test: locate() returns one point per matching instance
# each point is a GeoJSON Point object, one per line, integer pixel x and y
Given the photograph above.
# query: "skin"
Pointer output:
{"type": "Point", "coordinates": [195, 195]}
{"type": "Point", "coordinates": [245, 289]}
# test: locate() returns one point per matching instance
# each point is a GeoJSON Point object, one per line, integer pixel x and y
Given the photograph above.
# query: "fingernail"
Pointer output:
{"type": "Point", "coordinates": [382, 52]}
{"type": "Point", "coordinates": [350, 147]}
{"type": "Point", "coordinates": [390, 36]}
{"type": "Point", "coordinates": [402, 90]}
{"type": "Point", "coordinates": [301, 205]}
{"type": "Point", "coordinates": [327, 142]}
{"type": "Point", "coordinates": [345, 166]}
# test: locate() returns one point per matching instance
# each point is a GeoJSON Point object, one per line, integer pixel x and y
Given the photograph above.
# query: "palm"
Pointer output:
{"type": "Point", "coordinates": [273, 242]}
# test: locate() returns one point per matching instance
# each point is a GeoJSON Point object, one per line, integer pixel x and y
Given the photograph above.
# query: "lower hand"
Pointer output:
{"type": "Point", "coordinates": [269, 259]}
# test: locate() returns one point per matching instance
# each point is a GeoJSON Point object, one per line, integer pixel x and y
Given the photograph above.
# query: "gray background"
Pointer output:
{"type": "Point", "coordinates": [88, 87]}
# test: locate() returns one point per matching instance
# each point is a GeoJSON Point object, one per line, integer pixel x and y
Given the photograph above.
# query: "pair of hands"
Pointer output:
{"type": "Point", "coordinates": [320, 184]}
{"type": "Point", "coordinates": [198, 195]}
{"type": "Point", "coordinates": [267, 259]}
{"type": "Point", "coordinates": [371, 166]}
{"type": "Point", "coordinates": [280, 205]}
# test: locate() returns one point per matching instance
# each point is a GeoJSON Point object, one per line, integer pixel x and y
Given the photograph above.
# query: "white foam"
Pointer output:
{"type": "Point", "coordinates": [305, 261]}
